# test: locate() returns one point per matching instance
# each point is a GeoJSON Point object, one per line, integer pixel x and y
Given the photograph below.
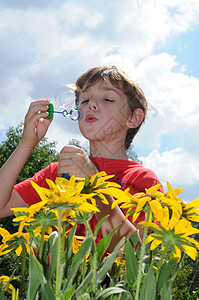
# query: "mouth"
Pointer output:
{"type": "Point", "coordinates": [90, 118]}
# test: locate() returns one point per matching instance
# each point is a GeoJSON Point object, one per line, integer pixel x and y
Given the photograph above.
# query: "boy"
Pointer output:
{"type": "Point", "coordinates": [113, 108]}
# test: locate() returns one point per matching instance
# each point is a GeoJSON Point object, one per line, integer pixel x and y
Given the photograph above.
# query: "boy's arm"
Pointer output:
{"type": "Point", "coordinates": [116, 217]}
{"type": "Point", "coordinates": [35, 128]}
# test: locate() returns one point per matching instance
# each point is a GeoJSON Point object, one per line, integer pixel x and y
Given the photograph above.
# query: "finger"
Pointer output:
{"type": "Point", "coordinates": [32, 119]}
{"type": "Point", "coordinates": [38, 105]}
{"type": "Point", "coordinates": [42, 101]}
{"type": "Point", "coordinates": [72, 149]}
{"type": "Point", "coordinates": [47, 121]}
{"type": "Point", "coordinates": [38, 109]}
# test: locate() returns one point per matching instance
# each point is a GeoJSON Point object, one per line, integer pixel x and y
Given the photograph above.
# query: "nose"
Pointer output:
{"type": "Point", "coordinates": [93, 104]}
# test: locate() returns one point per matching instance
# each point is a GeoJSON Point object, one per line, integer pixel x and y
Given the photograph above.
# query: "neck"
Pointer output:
{"type": "Point", "coordinates": [99, 149]}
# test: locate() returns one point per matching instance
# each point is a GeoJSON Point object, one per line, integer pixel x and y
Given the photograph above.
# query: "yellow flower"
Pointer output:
{"type": "Point", "coordinates": [136, 203]}
{"type": "Point", "coordinates": [15, 294]}
{"type": "Point", "coordinates": [70, 187]}
{"type": "Point", "coordinates": [171, 200]}
{"type": "Point", "coordinates": [76, 243]}
{"type": "Point", "coordinates": [60, 191]}
{"type": "Point", "coordinates": [120, 261]}
{"type": "Point", "coordinates": [100, 179]}
{"type": "Point", "coordinates": [174, 232]}
{"type": "Point", "coordinates": [30, 211]}
{"type": "Point", "coordinates": [190, 211]}
{"type": "Point", "coordinates": [63, 191]}
{"type": "Point", "coordinates": [4, 280]}
{"type": "Point", "coordinates": [79, 195]}
{"type": "Point", "coordinates": [14, 242]}
{"type": "Point", "coordinates": [48, 230]}
{"type": "Point", "coordinates": [27, 214]}
{"type": "Point", "coordinates": [172, 193]}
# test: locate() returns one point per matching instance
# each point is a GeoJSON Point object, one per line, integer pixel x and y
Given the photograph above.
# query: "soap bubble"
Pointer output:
{"type": "Point", "coordinates": [68, 96]}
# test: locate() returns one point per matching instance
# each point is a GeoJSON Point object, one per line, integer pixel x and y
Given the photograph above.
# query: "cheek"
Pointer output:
{"type": "Point", "coordinates": [122, 114]}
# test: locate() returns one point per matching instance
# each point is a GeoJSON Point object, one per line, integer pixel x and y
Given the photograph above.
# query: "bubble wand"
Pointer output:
{"type": "Point", "coordinates": [66, 97]}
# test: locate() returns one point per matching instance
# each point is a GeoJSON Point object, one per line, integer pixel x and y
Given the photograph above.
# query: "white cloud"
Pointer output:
{"type": "Point", "coordinates": [2, 126]}
{"type": "Point", "coordinates": [177, 166]}
{"type": "Point", "coordinates": [14, 102]}
{"type": "Point", "coordinates": [174, 96]}
{"type": "Point", "coordinates": [147, 27]}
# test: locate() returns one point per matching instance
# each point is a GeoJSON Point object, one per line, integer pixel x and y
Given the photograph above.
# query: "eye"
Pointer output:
{"type": "Point", "coordinates": [85, 101]}
{"type": "Point", "coordinates": [108, 100]}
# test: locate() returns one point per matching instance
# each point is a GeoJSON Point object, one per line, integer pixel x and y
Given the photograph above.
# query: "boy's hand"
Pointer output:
{"type": "Point", "coordinates": [74, 161]}
{"type": "Point", "coordinates": [35, 127]}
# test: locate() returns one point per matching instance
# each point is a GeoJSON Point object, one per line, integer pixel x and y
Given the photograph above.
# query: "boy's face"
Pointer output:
{"type": "Point", "coordinates": [104, 112]}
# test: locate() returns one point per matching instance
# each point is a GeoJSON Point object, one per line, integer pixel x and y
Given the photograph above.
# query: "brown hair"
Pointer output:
{"type": "Point", "coordinates": [120, 80]}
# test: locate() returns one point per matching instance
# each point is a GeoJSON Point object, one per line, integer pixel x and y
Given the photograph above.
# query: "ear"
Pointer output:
{"type": "Point", "coordinates": [135, 119]}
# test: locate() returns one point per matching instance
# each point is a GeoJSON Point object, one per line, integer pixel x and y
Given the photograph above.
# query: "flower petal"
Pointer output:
{"type": "Point", "coordinates": [18, 250]}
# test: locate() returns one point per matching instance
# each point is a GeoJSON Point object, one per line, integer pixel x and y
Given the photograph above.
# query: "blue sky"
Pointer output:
{"type": "Point", "coordinates": [185, 47]}
{"type": "Point", "coordinates": [45, 44]}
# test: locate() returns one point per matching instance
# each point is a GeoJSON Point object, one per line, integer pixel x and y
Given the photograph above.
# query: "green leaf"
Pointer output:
{"type": "Point", "coordinates": [100, 186]}
{"type": "Point", "coordinates": [111, 291]}
{"type": "Point", "coordinates": [47, 292]}
{"type": "Point", "coordinates": [165, 272]}
{"type": "Point", "coordinates": [53, 238]}
{"type": "Point", "coordinates": [99, 224]}
{"type": "Point", "coordinates": [37, 279]}
{"type": "Point", "coordinates": [85, 296]}
{"type": "Point", "coordinates": [104, 243]}
{"type": "Point", "coordinates": [109, 261]}
{"type": "Point", "coordinates": [148, 288]}
{"type": "Point", "coordinates": [86, 181]}
{"type": "Point", "coordinates": [83, 284]}
{"type": "Point", "coordinates": [35, 272]}
{"type": "Point", "coordinates": [131, 263]}
{"type": "Point", "coordinates": [66, 295]}
{"type": "Point", "coordinates": [94, 182]}
{"type": "Point", "coordinates": [69, 251]}
{"type": "Point", "coordinates": [166, 291]}
{"type": "Point", "coordinates": [134, 238]}
{"type": "Point", "coordinates": [78, 257]}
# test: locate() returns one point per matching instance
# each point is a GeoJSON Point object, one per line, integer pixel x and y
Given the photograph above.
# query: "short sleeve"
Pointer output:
{"type": "Point", "coordinates": [25, 189]}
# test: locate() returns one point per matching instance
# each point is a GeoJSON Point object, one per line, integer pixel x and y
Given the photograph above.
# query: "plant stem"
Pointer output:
{"type": "Point", "coordinates": [142, 257]}
{"type": "Point", "coordinates": [23, 269]}
{"type": "Point", "coordinates": [84, 269]}
{"type": "Point", "coordinates": [161, 260]}
{"type": "Point", "coordinates": [42, 242]}
{"type": "Point", "coordinates": [63, 238]}
{"type": "Point", "coordinates": [94, 258]}
{"type": "Point", "coordinates": [58, 271]}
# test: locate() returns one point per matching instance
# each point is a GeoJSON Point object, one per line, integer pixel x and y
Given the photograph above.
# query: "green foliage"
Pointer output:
{"type": "Point", "coordinates": [131, 264]}
{"type": "Point", "coordinates": [78, 275]}
{"type": "Point", "coordinates": [186, 284]}
{"type": "Point", "coordinates": [43, 154]}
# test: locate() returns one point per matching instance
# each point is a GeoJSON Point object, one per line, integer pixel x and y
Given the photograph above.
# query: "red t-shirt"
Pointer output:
{"type": "Point", "coordinates": [129, 174]}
